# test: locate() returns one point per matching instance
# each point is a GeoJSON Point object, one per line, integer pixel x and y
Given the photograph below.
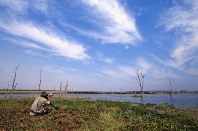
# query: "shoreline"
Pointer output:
{"type": "Point", "coordinates": [2, 91]}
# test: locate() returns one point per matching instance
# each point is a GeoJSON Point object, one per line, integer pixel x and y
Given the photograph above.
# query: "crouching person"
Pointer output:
{"type": "Point", "coordinates": [39, 105]}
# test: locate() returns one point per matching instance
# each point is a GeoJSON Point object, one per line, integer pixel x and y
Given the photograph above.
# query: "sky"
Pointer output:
{"type": "Point", "coordinates": [97, 45]}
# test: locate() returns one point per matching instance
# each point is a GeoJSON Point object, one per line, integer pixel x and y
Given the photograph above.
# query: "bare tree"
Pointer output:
{"type": "Point", "coordinates": [41, 70]}
{"type": "Point", "coordinates": [140, 80]}
{"type": "Point", "coordinates": [61, 83]}
{"type": "Point", "coordinates": [61, 87]}
{"type": "Point", "coordinates": [66, 86]}
{"type": "Point", "coordinates": [14, 80]}
{"type": "Point", "coordinates": [170, 86]}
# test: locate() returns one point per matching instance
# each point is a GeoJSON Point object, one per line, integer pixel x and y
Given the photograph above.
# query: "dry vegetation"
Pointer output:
{"type": "Point", "coordinates": [87, 114]}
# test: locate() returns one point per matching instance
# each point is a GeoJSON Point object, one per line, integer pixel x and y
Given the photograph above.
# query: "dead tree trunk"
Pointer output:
{"type": "Point", "coordinates": [66, 87]}
{"type": "Point", "coordinates": [41, 70]}
{"type": "Point", "coordinates": [140, 80]}
{"type": "Point", "coordinates": [14, 80]}
{"type": "Point", "coordinates": [60, 88]}
{"type": "Point", "coordinates": [170, 86]}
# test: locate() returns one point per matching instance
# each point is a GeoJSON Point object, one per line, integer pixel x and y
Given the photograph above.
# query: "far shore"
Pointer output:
{"type": "Point", "coordinates": [2, 91]}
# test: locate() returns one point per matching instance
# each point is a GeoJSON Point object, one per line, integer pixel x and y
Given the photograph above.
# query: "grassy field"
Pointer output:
{"type": "Point", "coordinates": [95, 115]}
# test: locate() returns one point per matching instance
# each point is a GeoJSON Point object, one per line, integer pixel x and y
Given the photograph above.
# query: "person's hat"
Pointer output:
{"type": "Point", "coordinates": [44, 93]}
{"type": "Point", "coordinates": [50, 94]}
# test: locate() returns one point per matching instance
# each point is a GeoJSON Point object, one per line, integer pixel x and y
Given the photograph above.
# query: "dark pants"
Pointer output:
{"type": "Point", "coordinates": [44, 111]}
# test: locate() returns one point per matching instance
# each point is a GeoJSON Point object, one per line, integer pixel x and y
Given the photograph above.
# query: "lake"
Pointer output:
{"type": "Point", "coordinates": [178, 100]}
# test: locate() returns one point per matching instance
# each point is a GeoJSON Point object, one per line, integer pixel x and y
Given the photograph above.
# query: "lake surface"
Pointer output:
{"type": "Point", "coordinates": [178, 100]}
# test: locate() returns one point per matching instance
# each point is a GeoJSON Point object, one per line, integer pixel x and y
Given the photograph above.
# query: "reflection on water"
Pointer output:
{"type": "Point", "coordinates": [177, 100]}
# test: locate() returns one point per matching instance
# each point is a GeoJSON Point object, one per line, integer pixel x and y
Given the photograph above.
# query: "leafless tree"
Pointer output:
{"type": "Point", "coordinates": [66, 86]}
{"type": "Point", "coordinates": [14, 80]}
{"type": "Point", "coordinates": [61, 88]}
{"type": "Point", "coordinates": [140, 80]}
{"type": "Point", "coordinates": [41, 70]}
{"type": "Point", "coordinates": [170, 86]}
{"type": "Point", "coordinates": [61, 83]}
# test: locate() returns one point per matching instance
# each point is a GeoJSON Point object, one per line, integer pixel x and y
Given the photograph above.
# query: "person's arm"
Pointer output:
{"type": "Point", "coordinates": [47, 102]}
{"type": "Point", "coordinates": [48, 98]}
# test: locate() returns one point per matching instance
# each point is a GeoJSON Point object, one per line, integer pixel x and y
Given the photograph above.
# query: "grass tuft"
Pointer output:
{"type": "Point", "coordinates": [90, 115]}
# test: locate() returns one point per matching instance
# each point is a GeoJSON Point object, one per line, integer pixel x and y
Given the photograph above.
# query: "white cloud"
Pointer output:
{"type": "Point", "coordinates": [41, 5]}
{"type": "Point", "coordinates": [24, 43]}
{"type": "Point", "coordinates": [71, 69]}
{"type": "Point", "coordinates": [102, 58]}
{"type": "Point", "coordinates": [126, 47]}
{"type": "Point", "coordinates": [52, 69]}
{"type": "Point", "coordinates": [58, 69]}
{"type": "Point", "coordinates": [128, 70]}
{"type": "Point", "coordinates": [112, 73]}
{"type": "Point", "coordinates": [116, 25]}
{"type": "Point", "coordinates": [33, 53]}
{"type": "Point", "coordinates": [192, 71]}
{"type": "Point", "coordinates": [109, 60]}
{"type": "Point", "coordinates": [183, 20]}
{"type": "Point", "coordinates": [21, 6]}
{"type": "Point", "coordinates": [16, 6]}
{"type": "Point", "coordinates": [51, 40]}
{"type": "Point", "coordinates": [143, 65]}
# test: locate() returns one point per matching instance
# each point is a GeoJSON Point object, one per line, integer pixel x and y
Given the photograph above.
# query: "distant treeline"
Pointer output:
{"type": "Point", "coordinates": [3, 91]}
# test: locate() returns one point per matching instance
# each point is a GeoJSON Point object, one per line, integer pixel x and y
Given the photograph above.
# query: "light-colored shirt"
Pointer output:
{"type": "Point", "coordinates": [38, 105]}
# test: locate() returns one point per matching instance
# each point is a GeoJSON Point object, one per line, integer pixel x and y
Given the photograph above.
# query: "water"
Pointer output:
{"type": "Point", "coordinates": [178, 100]}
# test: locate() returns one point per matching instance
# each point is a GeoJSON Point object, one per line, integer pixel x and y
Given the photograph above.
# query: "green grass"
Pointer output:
{"type": "Point", "coordinates": [92, 115]}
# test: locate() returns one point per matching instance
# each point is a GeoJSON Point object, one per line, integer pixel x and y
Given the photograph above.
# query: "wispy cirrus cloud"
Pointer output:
{"type": "Point", "coordinates": [125, 71]}
{"type": "Point", "coordinates": [109, 60]}
{"type": "Point", "coordinates": [112, 73]}
{"type": "Point", "coordinates": [115, 23]}
{"type": "Point", "coordinates": [41, 5]}
{"type": "Point", "coordinates": [24, 43]}
{"type": "Point", "coordinates": [183, 20]}
{"type": "Point", "coordinates": [45, 37]}
{"type": "Point", "coordinates": [53, 41]}
{"type": "Point", "coordinates": [32, 53]}
{"type": "Point", "coordinates": [143, 65]}
{"type": "Point", "coordinates": [21, 6]}
{"type": "Point", "coordinates": [128, 72]}
{"type": "Point", "coordinates": [16, 6]}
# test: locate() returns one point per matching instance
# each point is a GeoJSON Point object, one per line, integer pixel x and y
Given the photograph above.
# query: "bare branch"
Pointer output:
{"type": "Point", "coordinates": [66, 85]}
{"type": "Point", "coordinates": [61, 85]}
{"type": "Point", "coordinates": [140, 80]}
{"type": "Point", "coordinates": [41, 70]}
{"type": "Point", "coordinates": [14, 79]}
{"type": "Point", "coordinates": [170, 85]}
{"type": "Point", "coordinates": [8, 85]}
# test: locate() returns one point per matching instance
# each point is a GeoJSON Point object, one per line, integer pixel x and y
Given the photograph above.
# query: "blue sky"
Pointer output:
{"type": "Point", "coordinates": [97, 45]}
